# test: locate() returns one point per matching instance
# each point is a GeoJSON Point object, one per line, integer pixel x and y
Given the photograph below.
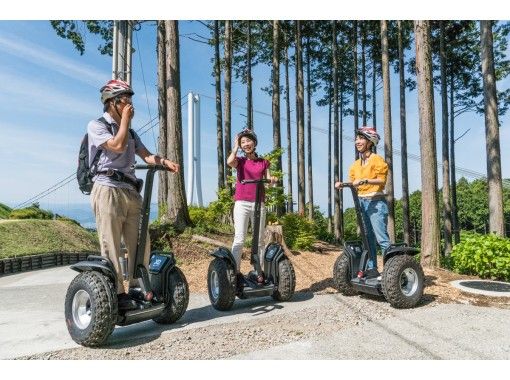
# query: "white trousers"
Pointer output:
{"type": "Point", "coordinates": [244, 211]}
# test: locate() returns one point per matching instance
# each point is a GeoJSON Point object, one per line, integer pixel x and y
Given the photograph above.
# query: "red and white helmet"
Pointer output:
{"type": "Point", "coordinates": [113, 88]}
{"type": "Point", "coordinates": [370, 134]}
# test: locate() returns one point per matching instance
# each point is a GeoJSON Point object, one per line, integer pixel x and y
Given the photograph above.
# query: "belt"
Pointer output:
{"type": "Point", "coordinates": [119, 176]}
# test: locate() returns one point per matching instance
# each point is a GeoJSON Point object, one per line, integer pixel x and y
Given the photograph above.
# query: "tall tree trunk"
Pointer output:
{"type": "Point", "coordinates": [453, 174]}
{"type": "Point", "coordinates": [290, 204]}
{"type": "Point", "coordinates": [430, 238]}
{"type": "Point", "coordinates": [403, 138]}
{"type": "Point", "coordinates": [496, 216]}
{"type": "Point", "coordinates": [219, 119]}
{"type": "Point", "coordinates": [355, 79]}
{"type": "Point", "coordinates": [163, 132]}
{"type": "Point", "coordinates": [228, 96]}
{"type": "Point", "coordinates": [447, 205]}
{"type": "Point", "coordinates": [374, 92]}
{"type": "Point", "coordinates": [301, 121]}
{"type": "Point", "coordinates": [388, 142]}
{"type": "Point", "coordinates": [309, 132]}
{"type": "Point", "coordinates": [249, 101]}
{"type": "Point", "coordinates": [336, 138]}
{"type": "Point", "coordinates": [363, 76]}
{"type": "Point", "coordinates": [277, 140]}
{"type": "Point", "coordinates": [330, 185]}
{"type": "Point", "coordinates": [177, 206]}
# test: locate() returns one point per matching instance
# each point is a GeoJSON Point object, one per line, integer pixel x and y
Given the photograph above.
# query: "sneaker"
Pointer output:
{"type": "Point", "coordinates": [125, 302]}
{"type": "Point", "coordinates": [372, 273]}
{"type": "Point", "coordinates": [260, 279]}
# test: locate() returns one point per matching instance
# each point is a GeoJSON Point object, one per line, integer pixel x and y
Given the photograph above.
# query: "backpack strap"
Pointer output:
{"type": "Point", "coordinates": [109, 127]}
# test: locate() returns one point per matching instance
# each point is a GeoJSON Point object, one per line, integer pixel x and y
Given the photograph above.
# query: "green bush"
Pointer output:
{"type": "Point", "coordinates": [298, 231]}
{"type": "Point", "coordinates": [487, 256]}
{"type": "Point", "coordinates": [32, 212]}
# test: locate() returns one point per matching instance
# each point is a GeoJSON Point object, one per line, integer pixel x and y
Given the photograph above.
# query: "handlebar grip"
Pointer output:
{"type": "Point", "coordinates": [263, 180]}
{"type": "Point", "coordinates": [147, 166]}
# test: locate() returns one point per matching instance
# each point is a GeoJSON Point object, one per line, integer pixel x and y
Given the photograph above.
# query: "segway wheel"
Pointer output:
{"type": "Point", "coordinates": [342, 276]}
{"type": "Point", "coordinates": [221, 284]}
{"type": "Point", "coordinates": [178, 298]}
{"type": "Point", "coordinates": [287, 281]}
{"type": "Point", "coordinates": [402, 281]}
{"type": "Point", "coordinates": [90, 309]}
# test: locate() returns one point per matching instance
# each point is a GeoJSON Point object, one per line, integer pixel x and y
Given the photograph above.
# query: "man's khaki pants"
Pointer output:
{"type": "Point", "coordinates": [117, 212]}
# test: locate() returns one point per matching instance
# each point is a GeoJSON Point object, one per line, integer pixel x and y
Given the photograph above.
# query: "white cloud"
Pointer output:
{"type": "Point", "coordinates": [42, 96]}
{"type": "Point", "coordinates": [49, 60]}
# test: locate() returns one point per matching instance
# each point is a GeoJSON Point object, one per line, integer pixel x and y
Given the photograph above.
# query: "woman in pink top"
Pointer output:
{"type": "Point", "coordinates": [251, 166]}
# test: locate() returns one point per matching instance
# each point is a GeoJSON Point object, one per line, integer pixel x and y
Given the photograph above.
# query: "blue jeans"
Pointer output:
{"type": "Point", "coordinates": [375, 215]}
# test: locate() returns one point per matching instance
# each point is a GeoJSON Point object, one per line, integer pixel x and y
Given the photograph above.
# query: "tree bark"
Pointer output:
{"type": "Point", "coordinates": [430, 238]}
{"type": "Point", "coordinates": [163, 131]}
{"type": "Point", "coordinates": [228, 96]}
{"type": "Point", "coordinates": [453, 174]}
{"type": "Point", "coordinates": [363, 76]}
{"type": "Point", "coordinates": [309, 133]}
{"type": "Point", "coordinates": [290, 201]}
{"type": "Point", "coordinates": [403, 138]}
{"type": "Point", "coordinates": [355, 80]}
{"type": "Point", "coordinates": [447, 206]}
{"type": "Point", "coordinates": [177, 208]}
{"type": "Point", "coordinates": [388, 142]}
{"type": "Point", "coordinates": [301, 121]}
{"type": "Point", "coordinates": [277, 140]}
{"type": "Point", "coordinates": [374, 92]}
{"type": "Point", "coordinates": [496, 216]}
{"type": "Point", "coordinates": [219, 118]}
{"type": "Point", "coordinates": [330, 185]}
{"type": "Point", "coordinates": [337, 225]}
{"type": "Point", "coordinates": [249, 101]}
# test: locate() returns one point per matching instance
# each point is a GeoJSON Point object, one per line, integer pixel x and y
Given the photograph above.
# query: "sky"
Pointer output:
{"type": "Point", "coordinates": [49, 93]}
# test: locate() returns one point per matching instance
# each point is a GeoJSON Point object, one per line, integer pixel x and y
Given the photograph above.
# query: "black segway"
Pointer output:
{"type": "Point", "coordinates": [91, 309]}
{"type": "Point", "coordinates": [402, 279]}
{"type": "Point", "coordinates": [279, 280]}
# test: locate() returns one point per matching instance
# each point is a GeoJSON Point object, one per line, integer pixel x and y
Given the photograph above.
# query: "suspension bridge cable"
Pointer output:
{"type": "Point", "coordinates": [145, 87]}
{"type": "Point", "coordinates": [412, 156]}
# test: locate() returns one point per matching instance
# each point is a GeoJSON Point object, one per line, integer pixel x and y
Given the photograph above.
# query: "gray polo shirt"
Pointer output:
{"type": "Point", "coordinates": [98, 135]}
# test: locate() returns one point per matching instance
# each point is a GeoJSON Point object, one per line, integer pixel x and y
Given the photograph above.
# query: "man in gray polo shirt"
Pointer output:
{"type": "Point", "coordinates": [115, 199]}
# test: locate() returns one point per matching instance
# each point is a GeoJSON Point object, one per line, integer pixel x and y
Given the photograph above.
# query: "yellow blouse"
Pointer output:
{"type": "Point", "coordinates": [374, 168]}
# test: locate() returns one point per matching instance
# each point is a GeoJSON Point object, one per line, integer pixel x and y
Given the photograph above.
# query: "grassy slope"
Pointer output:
{"type": "Point", "coordinates": [4, 211]}
{"type": "Point", "coordinates": [31, 237]}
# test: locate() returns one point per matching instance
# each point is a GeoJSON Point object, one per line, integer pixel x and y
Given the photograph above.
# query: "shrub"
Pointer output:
{"type": "Point", "coordinates": [298, 231]}
{"type": "Point", "coordinates": [487, 256]}
{"type": "Point", "coordinates": [32, 212]}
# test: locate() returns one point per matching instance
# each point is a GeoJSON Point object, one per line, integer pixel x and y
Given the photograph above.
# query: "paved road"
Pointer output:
{"type": "Point", "coordinates": [32, 309]}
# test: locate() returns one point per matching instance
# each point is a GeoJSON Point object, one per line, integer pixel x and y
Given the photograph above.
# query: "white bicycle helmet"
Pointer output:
{"type": "Point", "coordinates": [114, 88]}
{"type": "Point", "coordinates": [370, 134]}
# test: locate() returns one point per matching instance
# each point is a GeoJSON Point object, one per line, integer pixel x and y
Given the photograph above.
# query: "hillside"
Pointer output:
{"type": "Point", "coordinates": [30, 237]}
{"type": "Point", "coordinates": [4, 211]}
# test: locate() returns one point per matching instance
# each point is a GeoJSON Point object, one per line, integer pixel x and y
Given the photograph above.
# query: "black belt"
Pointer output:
{"type": "Point", "coordinates": [121, 177]}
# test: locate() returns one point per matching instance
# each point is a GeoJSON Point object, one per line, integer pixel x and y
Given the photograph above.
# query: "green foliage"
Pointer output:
{"type": "Point", "coordinates": [75, 31]}
{"type": "Point", "coordinates": [487, 256]}
{"type": "Point", "coordinates": [32, 212]}
{"type": "Point", "coordinates": [4, 211]}
{"type": "Point", "coordinates": [320, 226]}
{"type": "Point", "coordinates": [298, 231]}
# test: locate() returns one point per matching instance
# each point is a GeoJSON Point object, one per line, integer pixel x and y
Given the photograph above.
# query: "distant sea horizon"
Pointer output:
{"type": "Point", "coordinates": [82, 212]}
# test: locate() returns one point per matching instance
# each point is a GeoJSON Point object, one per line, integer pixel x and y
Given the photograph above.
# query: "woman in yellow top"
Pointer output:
{"type": "Point", "coordinates": [369, 173]}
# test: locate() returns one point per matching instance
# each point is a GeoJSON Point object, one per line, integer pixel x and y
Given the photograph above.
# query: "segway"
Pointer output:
{"type": "Point", "coordinates": [278, 273]}
{"type": "Point", "coordinates": [402, 279]}
{"type": "Point", "coordinates": [91, 309]}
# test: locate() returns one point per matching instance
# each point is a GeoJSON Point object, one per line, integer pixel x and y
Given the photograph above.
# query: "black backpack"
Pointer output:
{"type": "Point", "coordinates": [86, 172]}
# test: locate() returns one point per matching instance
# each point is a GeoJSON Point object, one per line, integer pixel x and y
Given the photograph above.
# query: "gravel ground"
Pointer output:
{"type": "Point", "coordinates": [313, 274]}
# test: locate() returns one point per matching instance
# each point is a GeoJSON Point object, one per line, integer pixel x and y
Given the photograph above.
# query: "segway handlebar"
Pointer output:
{"type": "Point", "coordinates": [263, 180]}
{"type": "Point", "coordinates": [147, 166]}
{"type": "Point", "coordinates": [350, 185]}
